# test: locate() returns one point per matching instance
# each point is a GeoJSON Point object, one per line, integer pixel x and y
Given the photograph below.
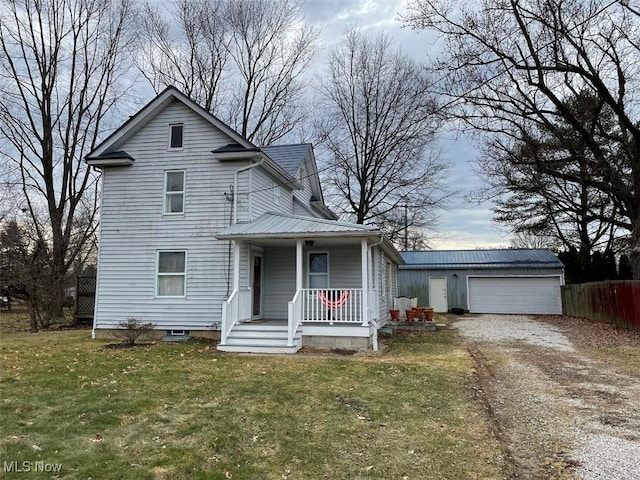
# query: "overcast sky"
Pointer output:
{"type": "Point", "coordinates": [463, 226]}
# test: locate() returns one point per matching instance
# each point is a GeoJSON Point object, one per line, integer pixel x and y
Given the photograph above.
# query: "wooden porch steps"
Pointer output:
{"type": "Point", "coordinates": [260, 338]}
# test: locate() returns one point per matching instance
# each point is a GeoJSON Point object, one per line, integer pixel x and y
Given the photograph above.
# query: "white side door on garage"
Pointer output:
{"type": "Point", "coordinates": [517, 294]}
{"type": "Point", "coordinates": [438, 299]}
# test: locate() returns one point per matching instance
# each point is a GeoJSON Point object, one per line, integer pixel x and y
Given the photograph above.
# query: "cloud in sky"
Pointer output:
{"type": "Point", "coordinates": [463, 225]}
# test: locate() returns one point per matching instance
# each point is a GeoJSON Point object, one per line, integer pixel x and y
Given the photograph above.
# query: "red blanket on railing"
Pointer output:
{"type": "Point", "coordinates": [341, 300]}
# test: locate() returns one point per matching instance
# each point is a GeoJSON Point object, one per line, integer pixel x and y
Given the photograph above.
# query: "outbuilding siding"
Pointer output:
{"type": "Point", "coordinates": [415, 283]}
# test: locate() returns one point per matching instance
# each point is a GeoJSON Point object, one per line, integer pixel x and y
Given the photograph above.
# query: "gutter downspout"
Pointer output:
{"type": "Point", "coordinates": [375, 324]}
{"type": "Point", "coordinates": [235, 186]}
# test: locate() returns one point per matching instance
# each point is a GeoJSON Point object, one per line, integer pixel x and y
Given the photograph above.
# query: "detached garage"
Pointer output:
{"type": "Point", "coordinates": [484, 281]}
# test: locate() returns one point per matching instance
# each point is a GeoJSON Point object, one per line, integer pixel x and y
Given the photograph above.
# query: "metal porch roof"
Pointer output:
{"type": "Point", "coordinates": [291, 226]}
{"type": "Point", "coordinates": [277, 225]}
{"type": "Point", "coordinates": [513, 258]}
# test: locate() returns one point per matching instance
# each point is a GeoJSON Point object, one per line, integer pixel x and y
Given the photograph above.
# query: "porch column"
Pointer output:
{"type": "Point", "coordinates": [299, 263]}
{"type": "Point", "coordinates": [236, 265]}
{"type": "Point", "coordinates": [364, 260]}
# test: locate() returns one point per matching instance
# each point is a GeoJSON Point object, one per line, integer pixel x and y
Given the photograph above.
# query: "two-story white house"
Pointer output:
{"type": "Point", "coordinates": [204, 233]}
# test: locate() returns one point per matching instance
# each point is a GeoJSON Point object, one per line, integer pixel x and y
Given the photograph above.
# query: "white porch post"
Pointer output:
{"type": "Point", "coordinates": [364, 260]}
{"type": "Point", "coordinates": [299, 263]}
{"type": "Point", "coordinates": [236, 265]}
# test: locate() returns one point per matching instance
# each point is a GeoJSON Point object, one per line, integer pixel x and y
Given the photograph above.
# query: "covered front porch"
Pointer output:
{"type": "Point", "coordinates": [305, 286]}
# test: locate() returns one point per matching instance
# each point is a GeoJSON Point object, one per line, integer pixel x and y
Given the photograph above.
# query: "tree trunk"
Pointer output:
{"type": "Point", "coordinates": [33, 318]}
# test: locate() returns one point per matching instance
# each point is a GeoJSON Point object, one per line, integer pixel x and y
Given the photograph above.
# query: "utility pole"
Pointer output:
{"type": "Point", "coordinates": [406, 228]}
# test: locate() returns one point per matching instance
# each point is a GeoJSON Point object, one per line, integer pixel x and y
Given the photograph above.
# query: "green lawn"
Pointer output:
{"type": "Point", "coordinates": [183, 411]}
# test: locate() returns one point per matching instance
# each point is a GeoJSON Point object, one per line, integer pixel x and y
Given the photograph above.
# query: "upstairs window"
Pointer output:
{"type": "Point", "coordinates": [172, 273]}
{"type": "Point", "coordinates": [175, 135]}
{"type": "Point", "coordinates": [174, 192]}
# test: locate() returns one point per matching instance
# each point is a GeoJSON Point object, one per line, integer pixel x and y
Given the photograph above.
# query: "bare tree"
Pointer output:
{"type": "Point", "coordinates": [189, 49]}
{"type": "Point", "coordinates": [509, 67]}
{"type": "Point", "coordinates": [241, 59]}
{"type": "Point", "coordinates": [378, 122]}
{"type": "Point", "coordinates": [529, 240]}
{"type": "Point", "coordinates": [61, 65]}
{"type": "Point", "coordinates": [531, 201]}
{"type": "Point", "coordinates": [272, 48]}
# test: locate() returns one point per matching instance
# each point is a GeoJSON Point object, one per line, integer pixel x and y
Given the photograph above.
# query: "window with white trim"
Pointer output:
{"type": "Point", "coordinates": [175, 135]}
{"type": "Point", "coordinates": [318, 270]}
{"type": "Point", "coordinates": [174, 191]}
{"type": "Point", "coordinates": [171, 274]}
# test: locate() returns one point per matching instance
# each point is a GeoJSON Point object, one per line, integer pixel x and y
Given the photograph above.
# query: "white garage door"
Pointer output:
{"type": "Point", "coordinates": [515, 295]}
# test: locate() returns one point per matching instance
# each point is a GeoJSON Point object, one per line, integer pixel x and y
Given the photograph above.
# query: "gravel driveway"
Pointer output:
{"type": "Point", "coordinates": [559, 412]}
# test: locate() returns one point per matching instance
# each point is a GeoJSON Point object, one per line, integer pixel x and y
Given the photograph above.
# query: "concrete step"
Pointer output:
{"type": "Point", "coordinates": [267, 342]}
{"type": "Point", "coordinates": [260, 327]}
{"type": "Point", "coordinates": [260, 338]}
{"type": "Point", "coordinates": [260, 333]}
{"type": "Point", "coordinates": [258, 349]}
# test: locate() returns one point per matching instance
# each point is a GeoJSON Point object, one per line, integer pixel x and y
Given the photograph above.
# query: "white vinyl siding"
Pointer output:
{"type": "Point", "coordinates": [134, 227]}
{"type": "Point", "coordinates": [172, 274]}
{"type": "Point", "coordinates": [174, 181]}
{"type": "Point", "coordinates": [280, 287]}
{"type": "Point", "coordinates": [263, 195]}
{"type": "Point", "coordinates": [302, 196]}
{"type": "Point", "coordinates": [276, 194]}
{"type": "Point", "coordinates": [244, 197]}
{"type": "Point", "coordinates": [344, 266]}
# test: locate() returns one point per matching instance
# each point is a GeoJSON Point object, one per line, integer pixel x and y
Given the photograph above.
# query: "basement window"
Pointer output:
{"type": "Point", "coordinates": [177, 333]}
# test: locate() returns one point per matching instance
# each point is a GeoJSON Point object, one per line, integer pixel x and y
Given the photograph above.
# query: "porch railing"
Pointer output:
{"type": "Point", "coordinates": [295, 316]}
{"type": "Point", "coordinates": [331, 305]}
{"type": "Point", "coordinates": [235, 309]}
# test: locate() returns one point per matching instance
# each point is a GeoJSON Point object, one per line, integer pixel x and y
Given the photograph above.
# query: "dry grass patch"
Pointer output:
{"type": "Point", "coordinates": [183, 411]}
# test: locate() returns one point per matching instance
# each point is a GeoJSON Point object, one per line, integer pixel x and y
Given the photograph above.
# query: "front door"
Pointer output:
{"type": "Point", "coordinates": [256, 286]}
{"type": "Point", "coordinates": [438, 294]}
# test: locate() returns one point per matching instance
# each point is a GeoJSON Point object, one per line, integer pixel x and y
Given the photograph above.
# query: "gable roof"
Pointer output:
{"type": "Point", "coordinates": [99, 156]}
{"type": "Point", "coordinates": [516, 257]}
{"type": "Point", "coordinates": [146, 113]}
{"type": "Point", "coordinates": [281, 161]}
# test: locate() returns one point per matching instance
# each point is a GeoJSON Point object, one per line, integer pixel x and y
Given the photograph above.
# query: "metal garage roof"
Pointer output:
{"type": "Point", "coordinates": [513, 258]}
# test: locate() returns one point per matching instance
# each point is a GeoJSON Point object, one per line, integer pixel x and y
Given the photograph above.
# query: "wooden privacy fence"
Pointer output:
{"type": "Point", "coordinates": [616, 302]}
